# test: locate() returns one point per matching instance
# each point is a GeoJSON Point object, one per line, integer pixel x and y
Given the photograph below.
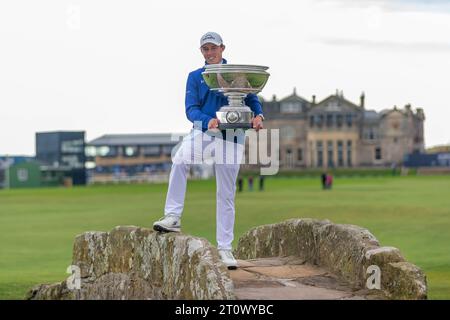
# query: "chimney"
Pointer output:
{"type": "Point", "coordinates": [420, 114]}
{"type": "Point", "coordinates": [361, 100]}
{"type": "Point", "coordinates": [274, 98]}
{"type": "Point", "coordinates": [295, 91]}
{"type": "Point", "coordinates": [314, 99]}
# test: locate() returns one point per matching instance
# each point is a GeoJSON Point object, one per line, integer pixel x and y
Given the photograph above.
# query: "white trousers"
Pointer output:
{"type": "Point", "coordinates": [226, 156]}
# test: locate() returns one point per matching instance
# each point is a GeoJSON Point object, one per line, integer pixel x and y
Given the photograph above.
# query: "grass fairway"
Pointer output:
{"type": "Point", "coordinates": [37, 226]}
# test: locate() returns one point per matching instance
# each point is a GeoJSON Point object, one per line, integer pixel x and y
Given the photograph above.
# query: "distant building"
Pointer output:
{"type": "Point", "coordinates": [438, 149]}
{"type": "Point", "coordinates": [61, 155]}
{"type": "Point", "coordinates": [24, 175]}
{"type": "Point", "coordinates": [130, 157]}
{"type": "Point", "coordinates": [18, 171]}
{"type": "Point", "coordinates": [336, 132]}
{"type": "Point", "coordinates": [418, 159]}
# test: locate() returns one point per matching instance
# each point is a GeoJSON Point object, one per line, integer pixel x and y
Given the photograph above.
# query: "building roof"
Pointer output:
{"type": "Point", "coordinates": [136, 139]}
{"type": "Point", "coordinates": [333, 103]}
{"type": "Point", "coordinates": [339, 99]}
{"type": "Point", "coordinates": [295, 98]}
{"type": "Point", "coordinates": [6, 161]}
{"type": "Point", "coordinates": [371, 115]}
{"type": "Point", "coordinates": [272, 109]}
{"type": "Point", "coordinates": [406, 112]}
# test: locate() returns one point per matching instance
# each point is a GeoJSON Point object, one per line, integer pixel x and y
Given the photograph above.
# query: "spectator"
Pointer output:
{"type": "Point", "coordinates": [329, 181]}
{"type": "Point", "coordinates": [240, 184]}
{"type": "Point", "coordinates": [323, 177]}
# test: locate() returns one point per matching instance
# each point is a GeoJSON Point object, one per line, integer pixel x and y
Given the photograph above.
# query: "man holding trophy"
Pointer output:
{"type": "Point", "coordinates": [220, 98]}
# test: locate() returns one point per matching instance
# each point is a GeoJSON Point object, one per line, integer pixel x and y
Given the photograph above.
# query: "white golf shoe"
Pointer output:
{"type": "Point", "coordinates": [168, 223]}
{"type": "Point", "coordinates": [227, 257]}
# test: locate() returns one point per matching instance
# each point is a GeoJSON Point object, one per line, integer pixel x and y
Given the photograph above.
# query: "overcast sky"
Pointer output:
{"type": "Point", "coordinates": [107, 66]}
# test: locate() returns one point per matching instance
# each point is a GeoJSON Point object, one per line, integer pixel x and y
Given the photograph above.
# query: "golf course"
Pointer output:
{"type": "Point", "coordinates": [38, 226]}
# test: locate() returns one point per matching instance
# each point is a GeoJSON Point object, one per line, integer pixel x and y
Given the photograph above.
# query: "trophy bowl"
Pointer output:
{"type": "Point", "coordinates": [235, 81]}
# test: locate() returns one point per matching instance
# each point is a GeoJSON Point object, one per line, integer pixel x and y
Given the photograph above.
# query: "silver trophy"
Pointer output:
{"type": "Point", "coordinates": [235, 81]}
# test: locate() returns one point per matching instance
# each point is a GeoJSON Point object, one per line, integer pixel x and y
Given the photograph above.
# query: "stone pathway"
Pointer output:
{"type": "Point", "coordinates": [290, 279]}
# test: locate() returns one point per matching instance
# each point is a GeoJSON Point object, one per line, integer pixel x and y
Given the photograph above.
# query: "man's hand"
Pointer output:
{"type": "Point", "coordinates": [257, 123]}
{"type": "Point", "coordinates": [213, 124]}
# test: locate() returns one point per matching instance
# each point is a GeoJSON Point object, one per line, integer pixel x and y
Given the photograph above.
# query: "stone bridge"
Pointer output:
{"type": "Point", "coordinates": [294, 259]}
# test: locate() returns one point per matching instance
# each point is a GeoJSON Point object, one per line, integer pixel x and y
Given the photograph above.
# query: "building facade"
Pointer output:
{"type": "Point", "coordinates": [336, 132]}
{"type": "Point", "coordinates": [18, 171]}
{"type": "Point", "coordinates": [61, 155]}
{"type": "Point", "coordinates": [130, 157]}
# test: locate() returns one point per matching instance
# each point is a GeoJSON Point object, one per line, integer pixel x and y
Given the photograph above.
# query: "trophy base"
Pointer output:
{"type": "Point", "coordinates": [244, 126]}
{"type": "Point", "coordinates": [235, 118]}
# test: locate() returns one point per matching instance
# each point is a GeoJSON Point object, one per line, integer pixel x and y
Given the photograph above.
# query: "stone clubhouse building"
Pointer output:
{"type": "Point", "coordinates": [332, 133]}
{"type": "Point", "coordinates": [336, 132]}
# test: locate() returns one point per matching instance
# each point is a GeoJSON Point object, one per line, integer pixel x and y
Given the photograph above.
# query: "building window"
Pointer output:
{"type": "Point", "coordinates": [72, 146]}
{"type": "Point", "coordinates": [329, 120]}
{"type": "Point", "coordinates": [333, 104]}
{"type": "Point", "coordinates": [90, 165]}
{"type": "Point", "coordinates": [319, 120]}
{"type": "Point", "coordinates": [150, 151]}
{"type": "Point", "coordinates": [311, 121]}
{"type": "Point", "coordinates": [395, 140]}
{"type": "Point", "coordinates": [340, 150]}
{"type": "Point", "coordinates": [319, 147]}
{"type": "Point", "coordinates": [90, 151]}
{"type": "Point", "coordinates": [349, 153]}
{"type": "Point", "coordinates": [330, 154]}
{"type": "Point", "coordinates": [72, 161]}
{"type": "Point", "coordinates": [289, 157]}
{"type": "Point", "coordinates": [291, 107]}
{"type": "Point", "coordinates": [130, 151]}
{"type": "Point", "coordinates": [370, 133]}
{"type": "Point", "coordinates": [348, 120]}
{"type": "Point", "coordinates": [167, 150]}
{"type": "Point", "coordinates": [300, 154]}
{"type": "Point", "coordinates": [378, 153]}
{"type": "Point", "coordinates": [107, 151]}
{"type": "Point", "coordinates": [288, 132]}
{"type": "Point", "coordinates": [339, 120]}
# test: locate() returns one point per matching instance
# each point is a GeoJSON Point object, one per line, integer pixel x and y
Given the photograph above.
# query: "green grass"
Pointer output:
{"type": "Point", "coordinates": [37, 226]}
